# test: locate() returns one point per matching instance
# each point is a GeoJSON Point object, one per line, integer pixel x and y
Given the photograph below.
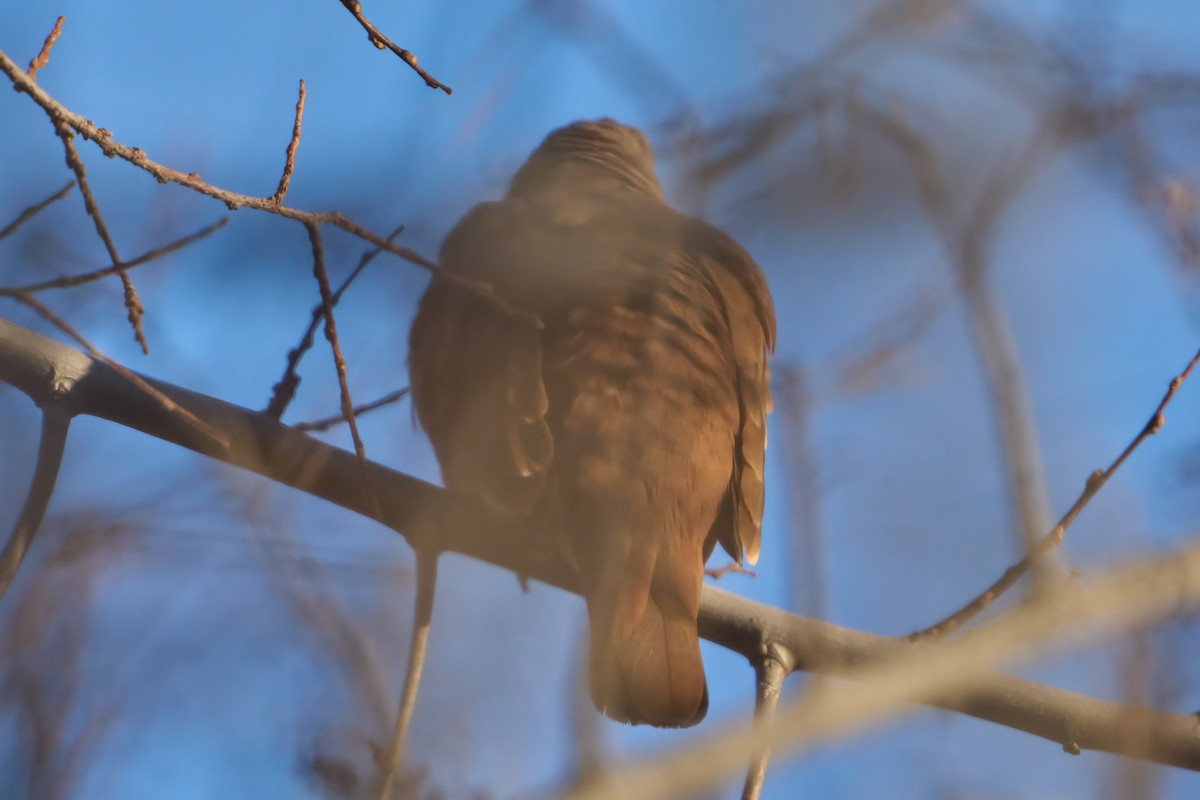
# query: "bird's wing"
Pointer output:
{"type": "Point", "coordinates": [476, 368]}
{"type": "Point", "coordinates": [750, 315]}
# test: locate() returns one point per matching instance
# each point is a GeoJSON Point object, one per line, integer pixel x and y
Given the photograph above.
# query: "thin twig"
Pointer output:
{"type": "Point", "coordinates": [133, 306]}
{"type": "Point", "coordinates": [285, 389]}
{"type": "Point", "coordinates": [211, 434]}
{"type": "Point", "coordinates": [775, 664]}
{"type": "Point", "coordinates": [382, 42]}
{"type": "Point", "coordinates": [422, 617]}
{"type": "Point", "coordinates": [1052, 540]}
{"type": "Point", "coordinates": [102, 138]}
{"type": "Point", "coordinates": [56, 420]}
{"type": "Point", "coordinates": [289, 161]}
{"type": "Point", "coordinates": [43, 56]}
{"type": "Point", "coordinates": [326, 423]}
{"type": "Point", "coordinates": [68, 281]}
{"type": "Point", "coordinates": [34, 210]}
{"type": "Point", "coordinates": [111, 148]}
{"type": "Point", "coordinates": [339, 361]}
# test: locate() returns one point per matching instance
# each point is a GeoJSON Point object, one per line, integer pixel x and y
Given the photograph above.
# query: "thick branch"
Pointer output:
{"type": "Point", "coordinates": [424, 513]}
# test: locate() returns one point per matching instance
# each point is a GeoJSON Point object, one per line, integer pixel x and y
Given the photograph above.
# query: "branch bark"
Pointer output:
{"type": "Point", "coordinates": [430, 518]}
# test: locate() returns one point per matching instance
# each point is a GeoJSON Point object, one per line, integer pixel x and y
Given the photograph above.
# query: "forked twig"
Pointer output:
{"type": "Point", "coordinates": [339, 361]}
{"type": "Point", "coordinates": [285, 389]}
{"type": "Point", "coordinates": [111, 148]}
{"type": "Point", "coordinates": [1052, 540]}
{"type": "Point", "coordinates": [133, 305]}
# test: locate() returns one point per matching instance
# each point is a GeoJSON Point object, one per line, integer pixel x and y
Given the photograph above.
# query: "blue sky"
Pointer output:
{"type": "Point", "coordinates": [213, 690]}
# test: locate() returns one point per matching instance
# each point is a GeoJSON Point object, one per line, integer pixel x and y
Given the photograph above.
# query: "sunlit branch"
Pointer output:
{"type": "Point", "coordinates": [429, 516]}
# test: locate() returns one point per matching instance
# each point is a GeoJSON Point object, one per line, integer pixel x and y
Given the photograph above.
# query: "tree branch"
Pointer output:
{"type": "Point", "coordinates": [382, 42]}
{"type": "Point", "coordinates": [417, 649]}
{"type": "Point", "coordinates": [946, 675]}
{"type": "Point", "coordinates": [55, 423]}
{"type": "Point", "coordinates": [424, 513]}
{"type": "Point", "coordinates": [111, 148]}
{"type": "Point", "coordinates": [770, 670]}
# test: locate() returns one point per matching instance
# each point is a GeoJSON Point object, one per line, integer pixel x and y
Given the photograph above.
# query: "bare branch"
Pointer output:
{"type": "Point", "coordinates": [113, 149]}
{"type": "Point", "coordinates": [56, 420]}
{"type": "Point", "coordinates": [285, 389]}
{"type": "Point", "coordinates": [382, 42]}
{"type": "Point", "coordinates": [770, 669]}
{"type": "Point", "coordinates": [1051, 540]}
{"type": "Point", "coordinates": [289, 161]}
{"type": "Point", "coordinates": [43, 56]}
{"type": "Point", "coordinates": [422, 618]}
{"type": "Point", "coordinates": [339, 361]}
{"type": "Point", "coordinates": [69, 281]}
{"type": "Point", "coordinates": [133, 306]}
{"type": "Point", "coordinates": [326, 423]}
{"type": "Point", "coordinates": [428, 516]}
{"type": "Point", "coordinates": [162, 400]}
{"type": "Point", "coordinates": [34, 210]}
{"type": "Point", "coordinates": [1081, 612]}
{"type": "Point", "coordinates": [233, 200]}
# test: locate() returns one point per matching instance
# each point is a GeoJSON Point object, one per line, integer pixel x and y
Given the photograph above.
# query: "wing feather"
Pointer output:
{"type": "Point", "coordinates": [477, 371]}
{"type": "Point", "coordinates": [750, 315]}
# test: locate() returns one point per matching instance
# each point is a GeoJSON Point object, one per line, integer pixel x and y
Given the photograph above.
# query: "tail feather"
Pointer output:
{"type": "Point", "coordinates": [644, 661]}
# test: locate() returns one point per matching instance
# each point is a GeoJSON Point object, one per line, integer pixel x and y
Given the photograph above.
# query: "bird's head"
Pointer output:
{"type": "Point", "coordinates": [602, 151]}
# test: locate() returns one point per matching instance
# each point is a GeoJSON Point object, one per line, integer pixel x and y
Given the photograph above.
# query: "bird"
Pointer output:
{"type": "Point", "coordinates": [590, 358]}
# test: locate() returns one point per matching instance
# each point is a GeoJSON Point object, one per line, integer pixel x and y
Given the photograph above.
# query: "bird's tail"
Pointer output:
{"type": "Point", "coordinates": [644, 658]}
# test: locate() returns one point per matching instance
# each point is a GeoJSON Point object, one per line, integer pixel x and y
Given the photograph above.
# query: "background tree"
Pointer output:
{"type": "Point", "coordinates": [979, 226]}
